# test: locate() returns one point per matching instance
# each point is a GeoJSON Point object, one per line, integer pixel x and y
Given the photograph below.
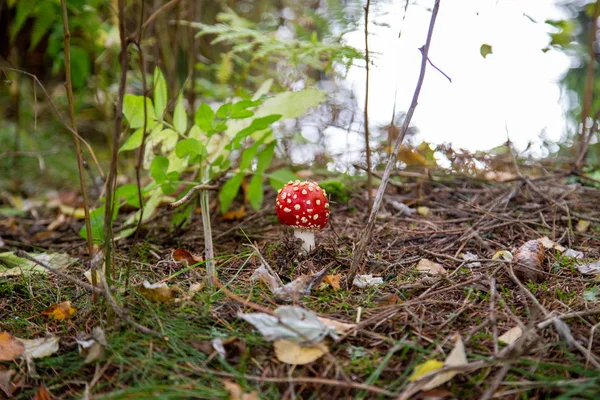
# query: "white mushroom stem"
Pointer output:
{"type": "Point", "coordinates": [308, 239]}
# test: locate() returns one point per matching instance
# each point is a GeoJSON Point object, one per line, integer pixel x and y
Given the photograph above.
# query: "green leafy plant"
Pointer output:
{"type": "Point", "coordinates": [235, 142]}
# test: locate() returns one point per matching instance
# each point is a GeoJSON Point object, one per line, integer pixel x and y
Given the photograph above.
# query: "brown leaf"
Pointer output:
{"type": "Point", "coordinates": [42, 394]}
{"type": "Point", "coordinates": [333, 281]}
{"type": "Point", "coordinates": [184, 256]}
{"type": "Point", "coordinates": [528, 261]}
{"type": "Point", "coordinates": [10, 347]}
{"type": "Point", "coordinates": [60, 311]}
{"type": "Point", "coordinates": [236, 392]}
{"type": "Point", "coordinates": [235, 214]}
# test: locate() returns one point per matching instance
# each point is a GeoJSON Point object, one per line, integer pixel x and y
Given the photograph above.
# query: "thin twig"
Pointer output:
{"type": "Point", "coordinates": [80, 168]}
{"type": "Point", "coordinates": [367, 132]}
{"type": "Point", "coordinates": [112, 173]}
{"type": "Point", "coordinates": [150, 19]}
{"type": "Point", "coordinates": [190, 194]}
{"type": "Point", "coordinates": [368, 231]}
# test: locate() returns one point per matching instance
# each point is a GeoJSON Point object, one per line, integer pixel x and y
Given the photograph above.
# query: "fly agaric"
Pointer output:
{"type": "Point", "coordinates": [304, 207]}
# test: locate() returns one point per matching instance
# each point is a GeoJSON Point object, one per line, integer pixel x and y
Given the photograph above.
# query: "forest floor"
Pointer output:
{"type": "Point", "coordinates": [543, 299]}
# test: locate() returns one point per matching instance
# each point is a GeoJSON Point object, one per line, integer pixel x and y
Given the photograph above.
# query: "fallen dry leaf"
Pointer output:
{"type": "Point", "coordinates": [363, 281]}
{"type": "Point", "coordinates": [41, 347]}
{"type": "Point", "coordinates": [456, 358]}
{"type": "Point", "coordinates": [10, 347]}
{"type": "Point", "coordinates": [184, 256]}
{"type": "Point", "coordinates": [42, 393]}
{"type": "Point", "coordinates": [88, 275]}
{"type": "Point", "coordinates": [511, 335]}
{"type": "Point", "coordinates": [549, 244]}
{"type": "Point", "coordinates": [499, 176]}
{"type": "Point", "coordinates": [589, 269]}
{"type": "Point", "coordinates": [528, 261]}
{"type": "Point", "coordinates": [236, 392]}
{"type": "Point", "coordinates": [333, 281]}
{"type": "Point", "coordinates": [6, 384]}
{"type": "Point", "coordinates": [235, 214]}
{"type": "Point", "coordinates": [582, 226]}
{"type": "Point", "coordinates": [504, 255]}
{"type": "Point", "coordinates": [426, 266]}
{"type": "Point", "coordinates": [93, 349]}
{"type": "Point", "coordinates": [60, 311]}
{"type": "Point", "coordinates": [340, 327]}
{"type": "Point", "coordinates": [157, 292]}
{"type": "Point", "coordinates": [293, 353]}
{"type": "Point", "coordinates": [78, 213]}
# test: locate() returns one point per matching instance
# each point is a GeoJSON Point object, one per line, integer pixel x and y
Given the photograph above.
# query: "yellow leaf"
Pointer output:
{"type": "Point", "coordinates": [60, 311]}
{"type": "Point", "coordinates": [157, 292]}
{"type": "Point", "coordinates": [582, 226]}
{"type": "Point", "coordinates": [88, 275]}
{"type": "Point", "coordinates": [410, 157]}
{"type": "Point", "coordinates": [503, 254]}
{"type": "Point", "coordinates": [290, 352]}
{"type": "Point", "coordinates": [424, 211]}
{"type": "Point", "coordinates": [425, 368]}
{"type": "Point", "coordinates": [333, 281]}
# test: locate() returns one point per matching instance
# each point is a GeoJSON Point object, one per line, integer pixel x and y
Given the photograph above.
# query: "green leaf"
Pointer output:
{"type": "Point", "coordinates": [205, 117]}
{"type": "Point", "coordinates": [292, 104]}
{"type": "Point", "coordinates": [160, 93]}
{"type": "Point", "coordinates": [149, 209]}
{"type": "Point", "coordinates": [80, 66]}
{"type": "Point", "coordinates": [265, 157]}
{"type": "Point", "coordinates": [257, 124]}
{"type": "Point", "coordinates": [255, 191]}
{"type": "Point", "coordinates": [279, 178]}
{"type": "Point", "coordinates": [159, 168]}
{"type": "Point", "coordinates": [180, 117]}
{"type": "Point", "coordinates": [248, 155]}
{"type": "Point", "coordinates": [485, 50]}
{"type": "Point", "coordinates": [229, 191]}
{"type": "Point", "coordinates": [224, 110]}
{"type": "Point", "coordinates": [97, 222]}
{"type": "Point", "coordinates": [42, 25]}
{"type": "Point", "coordinates": [190, 147]}
{"type": "Point", "coordinates": [135, 140]}
{"type": "Point", "coordinates": [240, 109]}
{"type": "Point", "coordinates": [133, 109]}
{"type": "Point", "coordinates": [130, 192]}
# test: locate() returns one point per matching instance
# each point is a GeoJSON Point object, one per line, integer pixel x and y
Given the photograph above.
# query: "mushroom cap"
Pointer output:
{"type": "Point", "coordinates": [302, 205]}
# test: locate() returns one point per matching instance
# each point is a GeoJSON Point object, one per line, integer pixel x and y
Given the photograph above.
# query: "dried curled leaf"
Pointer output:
{"type": "Point", "coordinates": [333, 281]}
{"type": "Point", "coordinates": [236, 392]}
{"type": "Point", "coordinates": [184, 256]}
{"type": "Point", "coordinates": [528, 261]}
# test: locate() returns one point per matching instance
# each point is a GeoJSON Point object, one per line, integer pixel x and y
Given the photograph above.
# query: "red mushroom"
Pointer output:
{"type": "Point", "coordinates": [304, 207]}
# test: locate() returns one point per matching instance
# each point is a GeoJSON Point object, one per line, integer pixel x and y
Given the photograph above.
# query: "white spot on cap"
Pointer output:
{"type": "Point", "coordinates": [308, 202]}
{"type": "Point", "coordinates": [289, 201]}
{"type": "Point", "coordinates": [304, 220]}
{"type": "Point", "coordinates": [316, 216]}
{"type": "Point", "coordinates": [304, 191]}
{"type": "Point", "coordinates": [318, 202]}
{"type": "Point", "coordinates": [283, 195]}
{"type": "Point", "coordinates": [287, 209]}
{"type": "Point", "coordinates": [295, 188]}
{"type": "Point", "coordinates": [295, 196]}
{"type": "Point", "coordinates": [279, 191]}
{"type": "Point", "coordinates": [327, 205]}
{"type": "Point", "coordinates": [297, 207]}
{"type": "Point", "coordinates": [311, 187]}
{"type": "Point", "coordinates": [309, 210]}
